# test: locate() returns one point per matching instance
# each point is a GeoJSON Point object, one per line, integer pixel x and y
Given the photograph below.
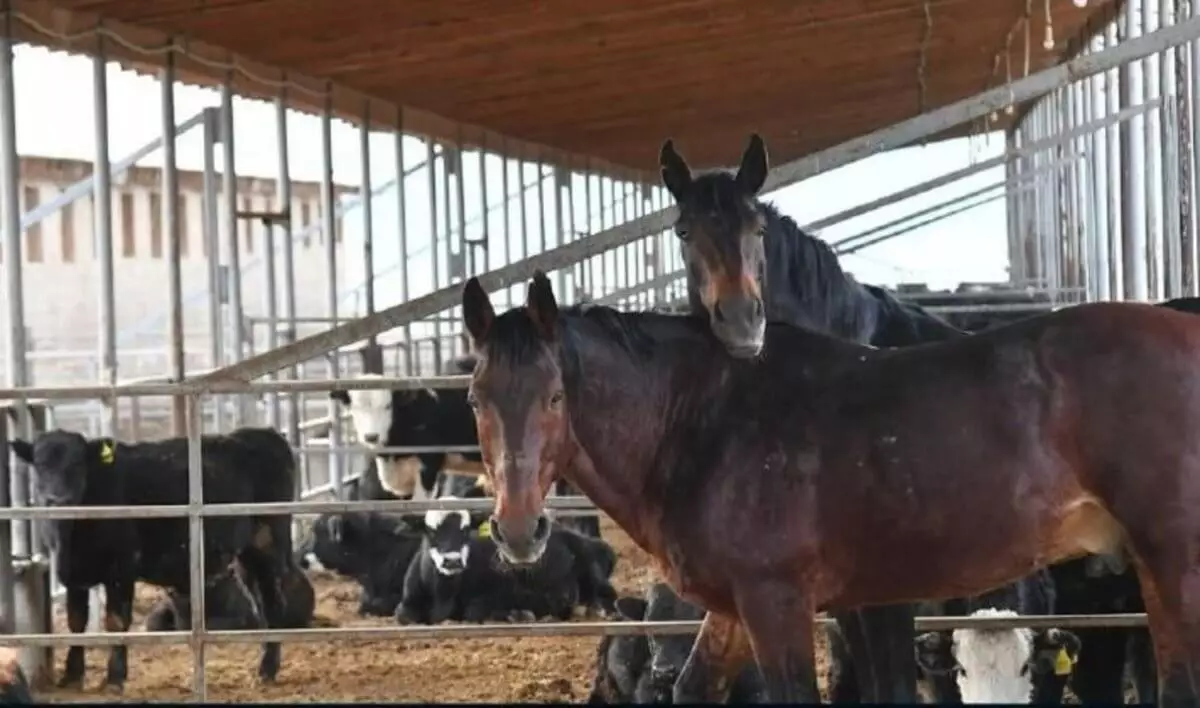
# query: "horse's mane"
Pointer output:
{"type": "Point", "coordinates": [513, 337]}
{"type": "Point", "coordinates": [902, 324]}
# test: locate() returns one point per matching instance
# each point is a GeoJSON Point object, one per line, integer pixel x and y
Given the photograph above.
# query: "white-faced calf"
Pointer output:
{"type": "Point", "coordinates": [1018, 665]}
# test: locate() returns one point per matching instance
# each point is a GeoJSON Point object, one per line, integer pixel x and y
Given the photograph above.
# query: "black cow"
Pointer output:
{"type": "Point", "coordinates": [643, 669]}
{"type": "Point", "coordinates": [1090, 585]}
{"type": "Point", "coordinates": [247, 465]}
{"type": "Point", "coordinates": [372, 548]}
{"type": "Point", "coordinates": [458, 575]}
{"type": "Point", "coordinates": [14, 686]}
{"type": "Point", "coordinates": [233, 601]}
{"type": "Point", "coordinates": [623, 660]}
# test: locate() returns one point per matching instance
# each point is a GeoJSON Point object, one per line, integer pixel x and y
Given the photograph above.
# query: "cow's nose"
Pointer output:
{"type": "Point", "coordinates": [371, 438]}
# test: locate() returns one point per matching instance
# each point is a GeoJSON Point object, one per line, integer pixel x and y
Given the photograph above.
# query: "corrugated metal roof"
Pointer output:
{"type": "Point", "coordinates": [609, 80]}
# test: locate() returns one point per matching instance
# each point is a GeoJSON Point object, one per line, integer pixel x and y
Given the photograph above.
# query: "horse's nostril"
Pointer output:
{"type": "Point", "coordinates": [543, 527]}
{"type": "Point", "coordinates": [758, 307]}
{"type": "Point", "coordinates": [717, 313]}
{"type": "Point", "coordinates": [371, 437]}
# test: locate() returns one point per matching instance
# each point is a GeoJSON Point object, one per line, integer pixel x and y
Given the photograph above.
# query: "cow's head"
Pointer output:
{"type": "Point", "coordinates": [61, 460]}
{"type": "Point", "coordinates": [370, 411]}
{"type": "Point", "coordinates": [448, 539]}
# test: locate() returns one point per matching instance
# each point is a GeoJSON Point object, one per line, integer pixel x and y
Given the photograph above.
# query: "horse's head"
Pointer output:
{"type": "Point", "coordinates": [520, 412]}
{"type": "Point", "coordinates": [721, 230]}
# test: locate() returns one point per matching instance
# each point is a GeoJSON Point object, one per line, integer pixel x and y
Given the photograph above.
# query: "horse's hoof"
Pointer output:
{"type": "Point", "coordinates": [114, 688]}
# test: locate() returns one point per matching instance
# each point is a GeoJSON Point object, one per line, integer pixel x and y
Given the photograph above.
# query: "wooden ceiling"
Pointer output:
{"type": "Point", "coordinates": [607, 80]}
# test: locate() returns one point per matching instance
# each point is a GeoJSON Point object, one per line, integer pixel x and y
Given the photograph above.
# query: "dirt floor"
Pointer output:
{"type": "Point", "coordinates": [483, 670]}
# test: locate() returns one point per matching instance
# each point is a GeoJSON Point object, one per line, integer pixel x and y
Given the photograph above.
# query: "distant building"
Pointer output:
{"type": "Point", "coordinates": [62, 278]}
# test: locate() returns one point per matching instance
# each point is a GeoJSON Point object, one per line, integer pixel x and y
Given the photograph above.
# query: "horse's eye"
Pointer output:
{"type": "Point", "coordinates": [472, 401]}
{"type": "Point", "coordinates": [681, 232]}
{"type": "Point", "coordinates": [556, 398]}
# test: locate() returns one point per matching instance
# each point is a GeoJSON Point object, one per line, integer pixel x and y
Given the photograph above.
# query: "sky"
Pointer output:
{"type": "Point", "coordinates": [54, 119]}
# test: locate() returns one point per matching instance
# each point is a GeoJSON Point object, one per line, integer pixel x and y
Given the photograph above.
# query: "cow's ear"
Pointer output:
{"type": "Point", "coordinates": [341, 396]}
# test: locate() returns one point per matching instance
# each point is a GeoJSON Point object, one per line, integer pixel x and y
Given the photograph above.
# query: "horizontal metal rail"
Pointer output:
{"type": "Point", "coordinates": [71, 393]}
{"type": "Point", "coordinates": [312, 448]}
{"type": "Point", "coordinates": [541, 629]}
{"type": "Point", "coordinates": [172, 511]}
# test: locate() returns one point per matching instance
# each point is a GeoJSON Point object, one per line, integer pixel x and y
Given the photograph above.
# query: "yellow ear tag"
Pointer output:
{"type": "Point", "coordinates": [485, 530]}
{"type": "Point", "coordinates": [106, 453]}
{"type": "Point", "coordinates": [1062, 663]}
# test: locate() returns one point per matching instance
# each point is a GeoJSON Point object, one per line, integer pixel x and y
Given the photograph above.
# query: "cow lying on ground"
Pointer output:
{"type": "Point", "coordinates": [247, 465]}
{"type": "Point", "coordinates": [233, 601]}
{"type": "Point", "coordinates": [458, 575]}
{"type": "Point", "coordinates": [644, 668]}
{"type": "Point", "coordinates": [426, 417]}
{"type": "Point", "coordinates": [372, 548]}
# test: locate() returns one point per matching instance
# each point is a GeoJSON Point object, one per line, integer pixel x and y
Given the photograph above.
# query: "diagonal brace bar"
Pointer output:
{"type": "Point", "coordinates": [898, 135]}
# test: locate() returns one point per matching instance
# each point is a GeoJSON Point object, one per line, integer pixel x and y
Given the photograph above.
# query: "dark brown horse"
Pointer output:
{"type": "Point", "coordinates": [829, 475]}
{"type": "Point", "coordinates": [746, 264]}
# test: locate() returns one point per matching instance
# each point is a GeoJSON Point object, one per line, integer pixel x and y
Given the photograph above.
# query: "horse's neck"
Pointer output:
{"type": "Point", "coordinates": [805, 289]}
{"type": "Point", "coordinates": [619, 411]}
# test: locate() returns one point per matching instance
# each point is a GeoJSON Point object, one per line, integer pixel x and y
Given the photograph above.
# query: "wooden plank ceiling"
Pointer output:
{"type": "Point", "coordinates": [612, 79]}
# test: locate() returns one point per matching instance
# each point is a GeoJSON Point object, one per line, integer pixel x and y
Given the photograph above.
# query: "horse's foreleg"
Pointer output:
{"type": "Point", "coordinates": [880, 640]}
{"type": "Point", "coordinates": [778, 620]}
{"type": "Point", "coordinates": [720, 652]}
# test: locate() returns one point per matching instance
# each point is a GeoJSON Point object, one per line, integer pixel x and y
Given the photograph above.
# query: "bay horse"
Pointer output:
{"type": "Point", "coordinates": [827, 475]}
{"type": "Point", "coordinates": [746, 264]}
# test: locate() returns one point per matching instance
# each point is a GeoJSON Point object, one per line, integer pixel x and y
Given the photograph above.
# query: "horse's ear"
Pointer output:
{"type": "Point", "coordinates": [541, 306]}
{"type": "Point", "coordinates": [478, 314]}
{"type": "Point", "coordinates": [676, 175]}
{"type": "Point", "coordinates": [752, 174]}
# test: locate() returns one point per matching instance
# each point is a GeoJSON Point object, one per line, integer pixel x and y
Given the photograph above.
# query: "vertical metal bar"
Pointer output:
{"type": "Point", "coordinates": [489, 261]}
{"type": "Point", "coordinates": [329, 227]}
{"type": "Point", "coordinates": [170, 221]}
{"type": "Point", "coordinates": [1187, 174]}
{"type": "Point", "coordinates": [196, 545]}
{"type": "Point", "coordinates": [1194, 136]}
{"type": "Point", "coordinates": [541, 203]}
{"type": "Point", "coordinates": [282, 228]}
{"type": "Point", "coordinates": [508, 244]}
{"type": "Point", "coordinates": [589, 272]}
{"type": "Point", "coordinates": [1168, 148]}
{"type": "Point", "coordinates": [1114, 181]}
{"type": "Point", "coordinates": [1097, 161]}
{"type": "Point", "coordinates": [283, 192]}
{"type": "Point", "coordinates": [233, 268]}
{"type": "Point", "coordinates": [212, 254]}
{"type": "Point", "coordinates": [465, 264]}
{"type": "Point", "coordinates": [102, 222]}
{"type": "Point", "coordinates": [1133, 173]}
{"type": "Point", "coordinates": [431, 162]}
{"type": "Point", "coordinates": [524, 208]}
{"type": "Point", "coordinates": [17, 610]}
{"type": "Point", "coordinates": [364, 147]}
{"type": "Point", "coordinates": [1153, 170]}
{"type": "Point", "coordinates": [402, 234]}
